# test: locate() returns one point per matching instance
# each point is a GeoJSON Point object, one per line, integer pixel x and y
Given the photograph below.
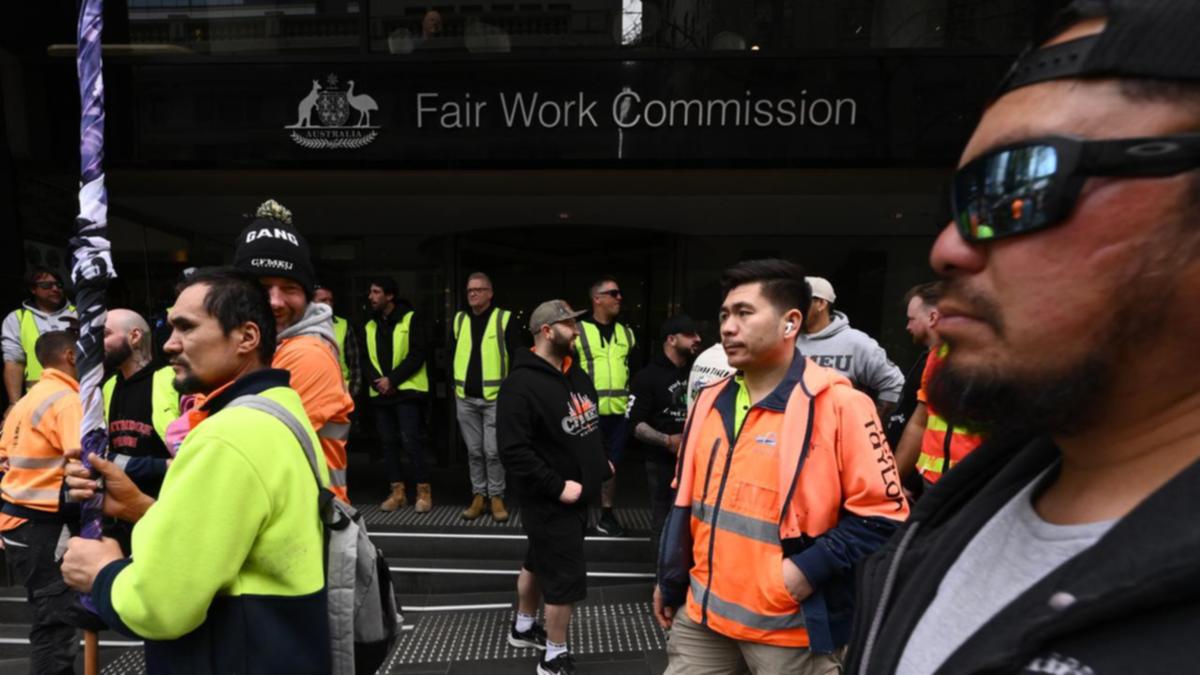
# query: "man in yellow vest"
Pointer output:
{"type": "Point", "coordinates": [347, 343]}
{"type": "Point", "coordinates": [604, 347]}
{"type": "Point", "coordinates": [140, 400]}
{"type": "Point", "coordinates": [485, 342]}
{"type": "Point", "coordinates": [47, 309]}
{"type": "Point", "coordinates": [39, 435]}
{"type": "Point", "coordinates": [396, 349]}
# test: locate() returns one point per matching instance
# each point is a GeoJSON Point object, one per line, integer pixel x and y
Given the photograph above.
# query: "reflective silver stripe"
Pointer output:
{"type": "Point", "coordinates": [18, 462]}
{"type": "Point", "coordinates": [30, 494]}
{"type": "Point", "coordinates": [120, 460]}
{"type": "Point", "coordinates": [461, 383]}
{"type": "Point", "coordinates": [45, 405]}
{"type": "Point", "coordinates": [612, 392]}
{"type": "Point", "coordinates": [337, 477]}
{"type": "Point", "coordinates": [752, 528]}
{"type": "Point", "coordinates": [335, 431]}
{"type": "Point", "coordinates": [744, 616]}
{"type": "Point", "coordinates": [493, 383]}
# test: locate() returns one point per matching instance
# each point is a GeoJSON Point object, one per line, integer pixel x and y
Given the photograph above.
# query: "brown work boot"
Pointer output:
{"type": "Point", "coordinates": [397, 500]}
{"type": "Point", "coordinates": [475, 509]}
{"type": "Point", "coordinates": [424, 498]}
{"type": "Point", "coordinates": [499, 513]}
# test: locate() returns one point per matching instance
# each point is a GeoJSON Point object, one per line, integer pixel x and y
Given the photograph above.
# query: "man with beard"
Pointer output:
{"type": "Point", "coordinates": [658, 406]}
{"type": "Point", "coordinates": [550, 442]}
{"type": "Point", "coordinates": [140, 400]}
{"type": "Point", "coordinates": [1068, 541]}
{"type": "Point", "coordinates": [227, 571]}
{"type": "Point", "coordinates": [920, 309]}
{"type": "Point", "coordinates": [275, 252]}
{"type": "Point", "coordinates": [46, 310]}
{"type": "Point", "coordinates": [398, 378]}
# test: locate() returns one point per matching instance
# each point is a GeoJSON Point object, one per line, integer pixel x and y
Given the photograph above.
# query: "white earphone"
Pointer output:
{"type": "Point", "coordinates": [787, 328]}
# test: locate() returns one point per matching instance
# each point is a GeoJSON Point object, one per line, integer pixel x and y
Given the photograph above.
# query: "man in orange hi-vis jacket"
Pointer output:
{"type": "Point", "coordinates": [271, 249]}
{"type": "Point", "coordinates": [785, 482]}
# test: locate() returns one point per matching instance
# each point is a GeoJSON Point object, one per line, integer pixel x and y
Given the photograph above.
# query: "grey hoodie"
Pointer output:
{"type": "Point", "coordinates": [856, 355]}
{"type": "Point", "coordinates": [317, 320]}
{"type": "Point", "coordinates": [45, 322]}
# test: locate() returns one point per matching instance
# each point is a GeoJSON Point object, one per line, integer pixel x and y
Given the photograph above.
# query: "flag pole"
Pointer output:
{"type": "Point", "coordinates": [90, 271]}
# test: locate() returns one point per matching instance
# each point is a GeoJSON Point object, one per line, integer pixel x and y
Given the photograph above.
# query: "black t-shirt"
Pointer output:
{"type": "Point", "coordinates": [658, 397]}
{"type": "Point", "coordinates": [130, 424]}
{"type": "Point", "coordinates": [474, 382]}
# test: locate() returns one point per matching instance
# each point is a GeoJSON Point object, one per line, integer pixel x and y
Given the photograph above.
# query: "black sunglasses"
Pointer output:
{"type": "Point", "coordinates": [1034, 184]}
{"type": "Point", "coordinates": [613, 293]}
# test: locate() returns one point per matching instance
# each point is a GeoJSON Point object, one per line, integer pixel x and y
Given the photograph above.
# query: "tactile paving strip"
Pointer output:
{"type": "Point", "coordinates": [451, 516]}
{"type": "Point", "coordinates": [457, 637]}
{"type": "Point", "coordinates": [131, 662]}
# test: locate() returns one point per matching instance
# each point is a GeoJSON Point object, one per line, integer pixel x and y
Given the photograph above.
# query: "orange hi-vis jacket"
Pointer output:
{"type": "Point", "coordinates": [809, 477]}
{"type": "Point", "coordinates": [41, 429]}
{"type": "Point", "coordinates": [317, 377]}
{"type": "Point", "coordinates": [943, 445]}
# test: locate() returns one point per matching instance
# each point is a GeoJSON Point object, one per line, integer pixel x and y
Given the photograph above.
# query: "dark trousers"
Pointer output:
{"type": "Point", "coordinates": [29, 552]}
{"type": "Point", "coordinates": [399, 427]}
{"type": "Point", "coordinates": [660, 471]}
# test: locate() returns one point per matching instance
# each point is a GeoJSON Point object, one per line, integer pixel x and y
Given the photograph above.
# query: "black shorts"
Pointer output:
{"type": "Point", "coordinates": [555, 553]}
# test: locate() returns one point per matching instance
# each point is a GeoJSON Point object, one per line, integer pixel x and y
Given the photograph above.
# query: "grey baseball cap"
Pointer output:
{"type": "Point", "coordinates": [552, 311]}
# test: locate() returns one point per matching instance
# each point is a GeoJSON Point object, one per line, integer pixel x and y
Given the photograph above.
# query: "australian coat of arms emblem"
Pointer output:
{"type": "Point", "coordinates": [334, 118]}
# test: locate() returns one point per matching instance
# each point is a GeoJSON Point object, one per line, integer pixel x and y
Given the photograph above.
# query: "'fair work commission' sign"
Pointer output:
{"type": "Point", "coordinates": [627, 109]}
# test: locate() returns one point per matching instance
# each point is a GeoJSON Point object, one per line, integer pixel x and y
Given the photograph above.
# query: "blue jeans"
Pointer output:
{"type": "Point", "coordinates": [399, 427]}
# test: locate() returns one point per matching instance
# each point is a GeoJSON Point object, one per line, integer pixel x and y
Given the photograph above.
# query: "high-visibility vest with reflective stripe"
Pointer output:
{"type": "Point", "coordinates": [785, 475]}
{"type": "Point", "coordinates": [420, 380]}
{"type": "Point", "coordinates": [607, 364]}
{"type": "Point", "coordinates": [36, 443]}
{"type": "Point", "coordinates": [943, 445]}
{"type": "Point", "coordinates": [494, 362]}
{"type": "Point", "coordinates": [164, 399]}
{"type": "Point", "coordinates": [340, 328]}
{"type": "Point", "coordinates": [29, 336]}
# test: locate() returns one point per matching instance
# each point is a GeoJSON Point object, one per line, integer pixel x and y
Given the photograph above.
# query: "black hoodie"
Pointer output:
{"type": "Point", "coordinates": [1128, 604]}
{"type": "Point", "coordinates": [548, 429]}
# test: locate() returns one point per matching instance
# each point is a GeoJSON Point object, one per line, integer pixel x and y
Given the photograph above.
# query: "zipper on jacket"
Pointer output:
{"type": "Point", "coordinates": [712, 459]}
{"type": "Point", "coordinates": [712, 529]}
{"type": "Point", "coordinates": [808, 429]}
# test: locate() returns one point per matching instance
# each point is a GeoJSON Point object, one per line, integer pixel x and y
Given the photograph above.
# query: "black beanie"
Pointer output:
{"type": "Point", "coordinates": [272, 247]}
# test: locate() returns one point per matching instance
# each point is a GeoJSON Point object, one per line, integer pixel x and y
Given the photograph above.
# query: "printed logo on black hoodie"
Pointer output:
{"type": "Point", "coordinates": [582, 416]}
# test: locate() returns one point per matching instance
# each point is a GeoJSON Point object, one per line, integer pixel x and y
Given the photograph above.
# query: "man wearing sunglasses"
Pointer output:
{"type": "Point", "coordinates": [1068, 541]}
{"type": "Point", "coordinates": [46, 309]}
{"type": "Point", "coordinates": [605, 347]}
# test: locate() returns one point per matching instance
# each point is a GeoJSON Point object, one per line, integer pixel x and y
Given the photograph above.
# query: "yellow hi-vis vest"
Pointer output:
{"type": "Point", "coordinates": [607, 364]}
{"type": "Point", "coordinates": [340, 327]}
{"type": "Point", "coordinates": [420, 380]}
{"type": "Point", "coordinates": [164, 399]}
{"type": "Point", "coordinates": [494, 363]}
{"type": "Point", "coordinates": [29, 337]}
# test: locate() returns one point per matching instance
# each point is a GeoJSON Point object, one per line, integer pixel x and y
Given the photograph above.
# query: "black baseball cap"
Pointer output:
{"type": "Point", "coordinates": [679, 324]}
{"type": "Point", "coordinates": [1142, 39]}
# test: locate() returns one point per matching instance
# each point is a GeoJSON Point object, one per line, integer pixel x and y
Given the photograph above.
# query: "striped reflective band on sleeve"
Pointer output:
{"type": "Point", "coordinates": [17, 462]}
{"type": "Point", "coordinates": [337, 477]}
{"type": "Point", "coordinates": [752, 528]}
{"type": "Point", "coordinates": [45, 406]}
{"type": "Point", "coordinates": [334, 431]}
{"type": "Point", "coordinates": [744, 616]}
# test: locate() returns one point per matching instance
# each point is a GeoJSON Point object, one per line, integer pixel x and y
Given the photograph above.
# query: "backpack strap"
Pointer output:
{"type": "Point", "coordinates": [325, 496]}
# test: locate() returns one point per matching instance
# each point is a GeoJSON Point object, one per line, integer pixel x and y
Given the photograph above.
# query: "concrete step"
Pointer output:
{"type": "Point", "coordinates": [452, 576]}
{"type": "Point", "coordinates": [502, 545]}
